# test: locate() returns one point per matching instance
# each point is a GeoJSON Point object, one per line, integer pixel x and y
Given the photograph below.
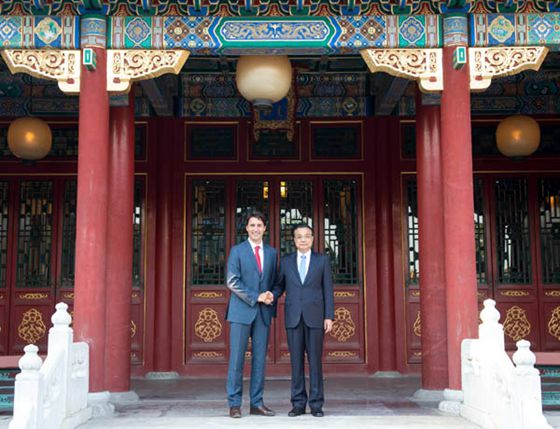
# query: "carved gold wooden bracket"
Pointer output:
{"type": "Point", "coordinates": [123, 66]}
{"type": "Point", "coordinates": [488, 63]}
{"type": "Point", "coordinates": [60, 65]}
{"type": "Point", "coordinates": [421, 65]}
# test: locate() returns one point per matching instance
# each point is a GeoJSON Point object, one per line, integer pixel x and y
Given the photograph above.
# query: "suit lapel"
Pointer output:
{"type": "Point", "coordinates": [251, 255]}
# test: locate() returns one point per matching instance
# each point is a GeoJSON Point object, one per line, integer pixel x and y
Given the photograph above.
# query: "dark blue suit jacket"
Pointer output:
{"type": "Point", "coordinates": [246, 283]}
{"type": "Point", "coordinates": [313, 300]}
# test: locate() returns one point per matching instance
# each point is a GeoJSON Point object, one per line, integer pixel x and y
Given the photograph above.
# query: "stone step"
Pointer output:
{"type": "Point", "coordinates": [7, 382]}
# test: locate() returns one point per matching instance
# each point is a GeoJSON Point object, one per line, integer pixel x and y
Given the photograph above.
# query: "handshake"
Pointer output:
{"type": "Point", "coordinates": [266, 298]}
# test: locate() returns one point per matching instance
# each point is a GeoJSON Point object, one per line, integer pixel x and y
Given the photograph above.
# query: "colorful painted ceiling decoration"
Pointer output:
{"type": "Point", "coordinates": [274, 7]}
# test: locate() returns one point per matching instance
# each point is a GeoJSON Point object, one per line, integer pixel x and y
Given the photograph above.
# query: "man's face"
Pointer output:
{"type": "Point", "coordinates": [303, 239]}
{"type": "Point", "coordinates": [255, 228]}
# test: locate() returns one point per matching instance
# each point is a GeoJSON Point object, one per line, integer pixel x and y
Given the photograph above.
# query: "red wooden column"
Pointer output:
{"type": "Point", "coordinates": [119, 247]}
{"type": "Point", "coordinates": [163, 309]}
{"type": "Point", "coordinates": [430, 235]}
{"type": "Point", "coordinates": [91, 211]}
{"type": "Point", "coordinates": [456, 152]}
{"type": "Point", "coordinates": [384, 244]}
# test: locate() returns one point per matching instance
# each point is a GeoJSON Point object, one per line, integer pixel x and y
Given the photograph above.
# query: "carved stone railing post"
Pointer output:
{"type": "Point", "coordinates": [497, 393]}
{"type": "Point", "coordinates": [27, 390]}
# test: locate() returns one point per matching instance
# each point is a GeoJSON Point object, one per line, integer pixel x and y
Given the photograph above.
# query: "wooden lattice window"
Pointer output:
{"type": "Point", "coordinates": [340, 230]}
{"type": "Point", "coordinates": [34, 234]}
{"type": "Point", "coordinates": [549, 221]}
{"type": "Point", "coordinates": [512, 231]}
{"type": "Point", "coordinates": [480, 232]}
{"type": "Point", "coordinates": [138, 218]}
{"type": "Point", "coordinates": [4, 210]}
{"type": "Point", "coordinates": [67, 265]}
{"type": "Point", "coordinates": [412, 276]}
{"type": "Point", "coordinates": [250, 196]}
{"type": "Point", "coordinates": [208, 233]}
{"type": "Point", "coordinates": [296, 206]}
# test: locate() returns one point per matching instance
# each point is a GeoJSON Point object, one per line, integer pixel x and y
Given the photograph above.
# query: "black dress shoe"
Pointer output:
{"type": "Point", "coordinates": [296, 411]}
{"type": "Point", "coordinates": [263, 410]}
{"type": "Point", "coordinates": [317, 413]}
{"type": "Point", "coordinates": [235, 412]}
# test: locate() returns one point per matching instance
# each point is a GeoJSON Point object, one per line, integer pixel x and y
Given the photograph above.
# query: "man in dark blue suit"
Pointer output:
{"type": "Point", "coordinates": [251, 271]}
{"type": "Point", "coordinates": [306, 278]}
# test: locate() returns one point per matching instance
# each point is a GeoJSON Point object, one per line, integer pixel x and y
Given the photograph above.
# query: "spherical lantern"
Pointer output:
{"type": "Point", "coordinates": [29, 138]}
{"type": "Point", "coordinates": [518, 136]}
{"type": "Point", "coordinates": [263, 79]}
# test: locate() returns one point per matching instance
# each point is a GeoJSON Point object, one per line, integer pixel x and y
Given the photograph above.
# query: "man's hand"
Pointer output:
{"type": "Point", "coordinates": [266, 298]}
{"type": "Point", "coordinates": [328, 325]}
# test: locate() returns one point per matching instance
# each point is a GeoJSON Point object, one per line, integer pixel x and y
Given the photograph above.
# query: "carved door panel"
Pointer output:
{"type": "Point", "coordinates": [217, 209]}
{"type": "Point", "coordinates": [33, 260]}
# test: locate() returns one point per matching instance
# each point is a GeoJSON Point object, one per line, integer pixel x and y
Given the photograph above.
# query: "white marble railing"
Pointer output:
{"type": "Point", "coordinates": [53, 394]}
{"type": "Point", "coordinates": [499, 393]}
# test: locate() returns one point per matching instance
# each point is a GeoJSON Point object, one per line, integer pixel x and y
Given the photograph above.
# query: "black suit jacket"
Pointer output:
{"type": "Point", "coordinates": [313, 300]}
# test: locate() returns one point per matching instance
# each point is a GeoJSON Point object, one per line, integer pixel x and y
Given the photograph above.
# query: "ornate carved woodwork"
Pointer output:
{"type": "Point", "coordinates": [60, 65]}
{"type": "Point", "coordinates": [517, 214]}
{"type": "Point", "coordinates": [486, 64]}
{"type": "Point", "coordinates": [421, 65]}
{"type": "Point", "coordinates": [217, 207]}
{"type": "Point", "coordinates": [125, 66]}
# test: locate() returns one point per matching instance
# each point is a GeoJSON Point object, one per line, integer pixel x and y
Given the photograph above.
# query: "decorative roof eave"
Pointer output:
{"type": "Point", "coordinates": [230, 36]}
{"type": "Point", "coordinates": [278, 7]}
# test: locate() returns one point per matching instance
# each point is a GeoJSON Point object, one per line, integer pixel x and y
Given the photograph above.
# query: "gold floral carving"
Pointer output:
{"type": "Point", "coordinates": [208, 326]}
{"type": "Point", "coordinates": [514, 293]}
{"type": "Point", "coordinates": [31, 328]}
{"type": "Point", "coordinates": [135, 294]}
{"type": "Point", "coordinates": [554, 323]}
{"type": "Point", "coordinates": [421, 65]}
{"type": "Point", "coordinates": [133, 329]}
{"type": "Point", "coordinates": [346, 294]}
{"type": "Point", "coordinates": [516, 325]}
{"type": "Point", "coordinates": [343, 325]}
{"type": "Point", "coordinates": [125, 66]}
{"type": "Point", "coordinates": [208, 355]}
{"type": "Point", "coordinates": [488, 63]}
{"type": "Point", "coordinates": [33, 295]}
{"type": "Point", "coordinates": [69, 295]}
{"type": "Point", "coordinates": [60, 65]}
{"type": "Point", "coordinates": [208, 295]}
{"type": "Point", "coordinates": [415, 293]}
{"type": "Point", "coordinates": [552, 293]}
{"type": "Point", "coordinates": [417, 325]}
{"type": "Point", "coordinates": [341, 354]}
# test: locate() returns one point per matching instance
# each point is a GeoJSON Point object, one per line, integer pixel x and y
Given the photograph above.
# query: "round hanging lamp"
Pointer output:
{"type": "Point", "coordinates": [29, 138]}
{"type": "Point", "coordinates": [518, 136]}
{"type": "Point", "coordinates": [263, 79]}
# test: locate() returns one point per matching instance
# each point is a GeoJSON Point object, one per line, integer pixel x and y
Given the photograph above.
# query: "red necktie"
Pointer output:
{"type": "Point", "coordinates": [259, 265]}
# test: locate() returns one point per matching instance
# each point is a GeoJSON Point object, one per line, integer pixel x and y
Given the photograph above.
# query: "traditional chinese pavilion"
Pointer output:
{"type": "Point", "coordinates": [385, 144]}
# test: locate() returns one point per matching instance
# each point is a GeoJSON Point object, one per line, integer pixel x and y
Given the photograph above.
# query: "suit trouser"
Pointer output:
{"type": "Point", "coordinates": [238, 340]}
{"type": "Point", "coordinates": [303, 339]}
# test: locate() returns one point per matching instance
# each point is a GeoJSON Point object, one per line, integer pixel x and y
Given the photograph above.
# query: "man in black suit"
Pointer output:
{"type": "Point", "coordinates": [306, 278]}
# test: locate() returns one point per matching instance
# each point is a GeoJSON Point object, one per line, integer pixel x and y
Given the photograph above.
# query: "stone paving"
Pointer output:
{"type": "Point", "coordinates": [351, 403]}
